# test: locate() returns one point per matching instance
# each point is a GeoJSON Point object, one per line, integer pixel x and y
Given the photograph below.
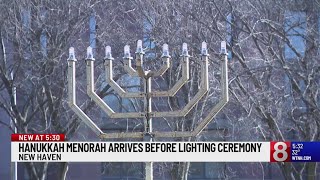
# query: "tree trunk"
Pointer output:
{"type": "Point", "coordinates": [312, 171]}
{"type": "Point", "coordinates": [64, 170]}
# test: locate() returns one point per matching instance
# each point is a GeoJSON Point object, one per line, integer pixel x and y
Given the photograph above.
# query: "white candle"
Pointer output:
{"type": "Point", "coordinates": [165, 50]}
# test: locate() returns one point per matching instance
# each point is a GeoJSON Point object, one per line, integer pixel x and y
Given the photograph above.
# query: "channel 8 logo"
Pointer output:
{"type": "Point", "coordinates": [280, 151]}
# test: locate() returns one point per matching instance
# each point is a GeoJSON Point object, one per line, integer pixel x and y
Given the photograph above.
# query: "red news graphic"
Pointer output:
{"type": "Point", "coordinates": [37, 137]}
{"type": "Point", "coordinates": [280, 151]}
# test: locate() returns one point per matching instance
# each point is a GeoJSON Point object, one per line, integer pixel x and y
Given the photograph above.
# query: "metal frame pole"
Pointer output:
{"type": "Point", "coordinates": [148, 122]}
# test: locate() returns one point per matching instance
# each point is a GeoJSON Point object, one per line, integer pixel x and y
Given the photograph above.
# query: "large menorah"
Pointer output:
{"type": "Point", "coordinates": [146, 75]}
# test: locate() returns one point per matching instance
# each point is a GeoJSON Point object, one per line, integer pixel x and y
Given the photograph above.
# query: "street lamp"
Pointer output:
{"type": "Point", "coordinates": [147, 114]}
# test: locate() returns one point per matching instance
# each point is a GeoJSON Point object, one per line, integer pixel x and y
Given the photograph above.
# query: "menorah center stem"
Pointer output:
{"type": "Point", "coordinates": [147, 104]}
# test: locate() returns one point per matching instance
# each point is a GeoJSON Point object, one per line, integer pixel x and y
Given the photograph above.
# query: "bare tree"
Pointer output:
{"type": "Point", "coordinates": [35, 36]}
{"type": "Point", "coordinates": [274, 78]}
{"type": "Point", "coordinates": [274, 67]}
{"type": "Point", "coordinates": [274, 81]}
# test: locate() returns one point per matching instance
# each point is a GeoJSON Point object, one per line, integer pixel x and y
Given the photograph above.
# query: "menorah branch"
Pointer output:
{"type": "Point", "coordinates": [183, 79]}
{"type": "Point", "coordinates": [139, 64]}
{"type": "Point", "coordinates": [128, 67]}
{"type": "Point", "coordinates": [214, 111]}
{"type": "Point", "coordinates": [223, 100]}
{"type": "Point", "coordinates": [72, 98]}
{"type": "Point", "coordinates": [115, 86]}
{"type": "Point", "coordinates": [90, 89]}
{"type": "Point", "coordinates": [204, 87]}
{"type": "Point", "coordinates": [165, 66]}
{"type": "Point", "coordinates": [91, 93]}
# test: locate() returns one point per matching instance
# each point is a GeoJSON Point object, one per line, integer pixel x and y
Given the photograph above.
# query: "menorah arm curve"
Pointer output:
{"type": "Point", "coordinates": [204, 87]}
{"type": "Point", "coordinates": [128, 67]}
{"type": "Point", "coordinates": [215, 110]}
{"type": "Point", "coordinates": [165, 66]}
{"type": "Point", "coordinates": [115, 86]}
{"type": "Point", "coordinates": [91, 93]}
{"type": "Point", "coordinates": [183, 79]}
{"type": "Point", "coordinates": [72, 99]}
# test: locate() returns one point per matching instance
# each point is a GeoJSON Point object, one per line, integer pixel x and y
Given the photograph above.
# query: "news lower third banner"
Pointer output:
{"type": "Point", "coordinates": [53, 148]}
